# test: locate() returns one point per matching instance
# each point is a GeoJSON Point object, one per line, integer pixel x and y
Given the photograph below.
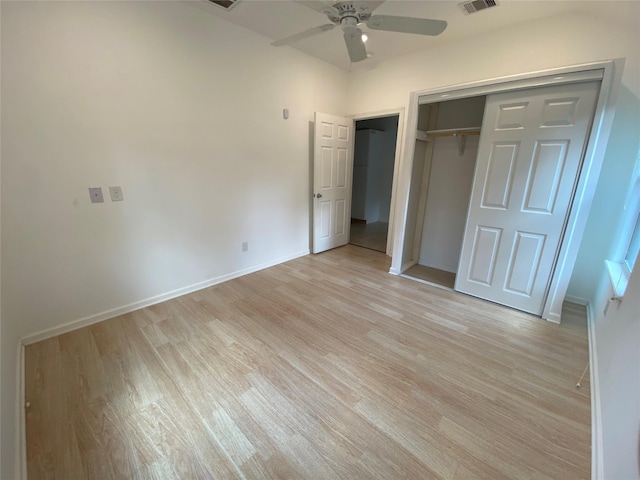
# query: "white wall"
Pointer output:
{"type": "Point", "coordinates": [608, 202]}
{"type": "Point", "coordinates": [617, 347]}
{"type": "Point", "coordinates": [554, 42]}
{"type": "Point", "coordinates": [181, 109]}
{"type": "Point", "coordinates": [450, 185]}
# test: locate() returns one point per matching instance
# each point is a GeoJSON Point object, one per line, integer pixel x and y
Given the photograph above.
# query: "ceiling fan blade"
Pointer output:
{"type": "Point", "coordinates": [317, 5]}
{"type": "Point", "coordinates": [420, 26]}
{"type": "Point", "coordinates": [373, 4]}
{"type": "Point", "coordinates": [302, 35]}
{"type": "Point", "coordinates": [355, 45]}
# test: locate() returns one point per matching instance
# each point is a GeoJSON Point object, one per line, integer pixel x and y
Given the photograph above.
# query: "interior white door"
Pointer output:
{"type": "Point", "coordinates": [531, 149]}
{"type": "Point", "coordinates": [332, 176]}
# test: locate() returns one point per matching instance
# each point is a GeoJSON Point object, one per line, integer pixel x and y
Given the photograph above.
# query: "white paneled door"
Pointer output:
{"type": "Point", "coordinates": [332, 178]}
{"type": "Point", "coordinates": [531, 148]}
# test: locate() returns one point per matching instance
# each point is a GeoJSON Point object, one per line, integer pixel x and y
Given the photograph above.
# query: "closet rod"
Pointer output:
{"type": "Point", "coordinates": [453, 132]}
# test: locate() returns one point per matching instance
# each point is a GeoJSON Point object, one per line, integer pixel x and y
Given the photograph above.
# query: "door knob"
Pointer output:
{"type": "Point", "coordinates": [318, 195]}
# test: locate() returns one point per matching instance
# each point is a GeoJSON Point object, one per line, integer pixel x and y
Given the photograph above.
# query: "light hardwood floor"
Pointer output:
{"type": "Point", "coordinates": [432, 275]}
{"type": "Point", "coordinates": [323, 367]}
{"type": "Point", "coordinates": [369, 235]}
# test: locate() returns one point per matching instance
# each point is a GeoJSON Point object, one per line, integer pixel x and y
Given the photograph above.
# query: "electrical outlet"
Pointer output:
{"type": "Point", "coordinates": [116, 194]}
{"type": "Point", "coordinates": [245, 246]}
{"type": "Point", "coordinates": [96, 194]}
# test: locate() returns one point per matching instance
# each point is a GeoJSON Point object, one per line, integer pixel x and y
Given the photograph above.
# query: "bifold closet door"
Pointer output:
{"type": "Point", "coordinates": [531, 148]}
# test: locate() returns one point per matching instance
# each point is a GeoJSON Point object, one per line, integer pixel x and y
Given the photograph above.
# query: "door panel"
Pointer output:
{"type": "Point", "coordinates": [485, 253]}
{"type": "Point", "coordinates": [544, 176]}
{"type": "Point", "coordinates": [530, 152]}
{"type": "Point", "coordinates": [499, 179]}
{"type": "Point", "coordinates": [525, 256]}
{"type": "Point", "coordinates": [333, 171]}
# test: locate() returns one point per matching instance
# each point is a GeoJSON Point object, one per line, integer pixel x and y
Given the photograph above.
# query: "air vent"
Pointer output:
{"type": "Point", "coordinates": [477, 5]}
{"type": "Point", "coordinates": [226, 4]}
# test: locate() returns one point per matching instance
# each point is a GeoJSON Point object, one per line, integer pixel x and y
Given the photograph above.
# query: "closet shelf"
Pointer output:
{"type": "Point", "coordinates": [460, 134]}
{"type": "Point", "coordinates": [453, 132]}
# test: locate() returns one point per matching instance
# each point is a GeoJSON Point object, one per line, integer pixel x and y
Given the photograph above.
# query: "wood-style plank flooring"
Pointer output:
{"type": "Point", "coordinates": [432, 275]}
{"type": "Point", "coordinates": [323, 367]}
{"type": "Point", "coordinates": [370, 235]}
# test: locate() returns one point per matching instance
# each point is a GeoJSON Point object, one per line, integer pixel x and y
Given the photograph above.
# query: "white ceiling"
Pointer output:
{"type": "Point", "coordinates": [280, 18]}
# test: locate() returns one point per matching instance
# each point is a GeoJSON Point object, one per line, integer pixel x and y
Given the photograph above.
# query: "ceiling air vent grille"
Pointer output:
{"type": "Point", "coordinates": [226, 4]}
{"type": "Point", "coordinates": [477, 5]}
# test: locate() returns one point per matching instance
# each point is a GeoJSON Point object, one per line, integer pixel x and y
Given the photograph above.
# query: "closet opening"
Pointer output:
{"type": "Point", "coordinates": [444, 163]}
{"type": "Point", "coordinates": [373, 172]}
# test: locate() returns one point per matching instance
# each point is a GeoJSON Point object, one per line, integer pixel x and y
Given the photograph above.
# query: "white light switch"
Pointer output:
{"type": "Point", "coordinates": [116, 194]}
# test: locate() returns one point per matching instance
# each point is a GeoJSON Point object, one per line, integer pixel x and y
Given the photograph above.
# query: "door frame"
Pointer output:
{"type": "Point", "coordinates": [598, 136]}
{"type": "Point", "coordinates": [400, 111]}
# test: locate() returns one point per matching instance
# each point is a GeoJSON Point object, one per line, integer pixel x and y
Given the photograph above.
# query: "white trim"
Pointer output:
{"type": "Point", "coordinates": [577, 300]}
{"type": "Point", "coordinates": [597, 143]}
{"type": "Point", "coordinates": [597, 452]}
{"type": "Point", "coordinates": [396, 163]}
{"type": "Point", "coordinates": [407, 266]}
{"type": "Point", "coordinates": [587, 182]}
{"type": "Point", "coordinates": [404, 181]}
{"type": "Point", "coordinates": [114, 312]}
{"type": "Point", "coordinates": [557, 76]}
{"type": "Point", "coordinates": [618, 274]}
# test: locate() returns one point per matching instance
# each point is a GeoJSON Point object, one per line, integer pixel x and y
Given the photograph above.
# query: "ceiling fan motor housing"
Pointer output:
{"type": "Point", "coordinates": [348, 14]}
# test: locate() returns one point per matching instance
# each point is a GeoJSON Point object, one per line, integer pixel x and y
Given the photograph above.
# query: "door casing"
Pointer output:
{"type": "Point", "coordinates": [610, 73]}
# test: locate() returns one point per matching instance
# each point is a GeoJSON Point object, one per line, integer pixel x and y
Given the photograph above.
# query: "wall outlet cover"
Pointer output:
{"type": "Point", "coordinates": [116, 194]}
{"type": "Point", "coordinates": [96, 195]}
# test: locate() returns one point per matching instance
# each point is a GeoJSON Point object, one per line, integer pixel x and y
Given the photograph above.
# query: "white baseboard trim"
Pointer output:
{"type": "Point", "coordinates": [576, 300]}
{"type": "Point", "coordinates": [403, 268]}
{"type": "Point", "coordinates": [597, 453]}
{"type": "Point", "coordinates": [407, 266]}
{"type": "Point", "coordinates": [114, 312]}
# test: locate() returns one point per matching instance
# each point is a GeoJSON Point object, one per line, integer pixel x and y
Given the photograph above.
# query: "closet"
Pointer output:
{"type": "Point", "coordinates": [492, 188]}
{"type": "Point", "coordinates": [444, 164]}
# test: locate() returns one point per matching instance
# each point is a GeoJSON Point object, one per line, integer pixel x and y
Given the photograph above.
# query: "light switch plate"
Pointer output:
{"type": "Point", "coordinates": [116, 194]}
{"type": "Point", "coordinates": [96, 194]}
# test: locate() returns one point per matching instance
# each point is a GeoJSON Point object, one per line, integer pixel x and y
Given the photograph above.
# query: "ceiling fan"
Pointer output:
{"type": "Point", "coordinates": [348, 14]}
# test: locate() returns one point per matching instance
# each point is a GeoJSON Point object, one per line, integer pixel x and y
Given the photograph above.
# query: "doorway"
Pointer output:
{"type": "Point", "coordinates": [446, 158]}
{"type": "Point", "coordinates": [373, 173]}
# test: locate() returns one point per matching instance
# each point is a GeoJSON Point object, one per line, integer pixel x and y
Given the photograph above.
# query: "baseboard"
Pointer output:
{"type": "Point", "coordinates": [576, 300]}
{"type": "Point", "coordinates": [114, 312]}
{"type": "Point", "coordinates": [407, 266]}
{"type": "Point", "coordinates": [597, 453]}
